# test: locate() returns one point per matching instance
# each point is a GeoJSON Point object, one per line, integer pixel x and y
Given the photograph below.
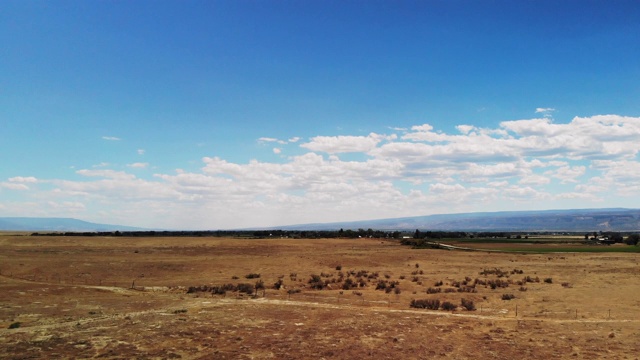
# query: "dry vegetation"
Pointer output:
{"type": "Point", "coordinates": [191, 298]}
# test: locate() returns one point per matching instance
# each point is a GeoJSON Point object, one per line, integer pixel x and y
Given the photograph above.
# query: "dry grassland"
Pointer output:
{"type": "Point", "coordinates": [72, 297]}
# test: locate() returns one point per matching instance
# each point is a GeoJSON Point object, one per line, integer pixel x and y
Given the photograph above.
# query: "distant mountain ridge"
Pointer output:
{"type": "Point", "coordinates": [58, 224]}
{"type": "Point", "coordinates": [614, 219]}
{"type": "Point", "coordinates": [579, 220]}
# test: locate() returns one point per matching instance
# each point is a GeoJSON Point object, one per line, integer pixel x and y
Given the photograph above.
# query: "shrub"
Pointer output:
{"type": "Point", "coordinates": [439, 283]}
{"type": "Point", "coordinates": [245, 288]}
{"type": "Point", "coordinates": [468, 304]}
{"type": "Point", "coordinates": [278, 284]}
{"type": "Point", "coordinates": [348, 284]}
{"type": "Point", "coordinates": [495, 271]}
{"type": "Point", "coordinates": [401, 277]}
{"type": "Point", "coordinates": [522, 288]}
{"type": "Point", "coordinates": [234, 277]}
{"type": "Point", "coordinates": [448, 306]}
{"type": "Point", "coordinates": [316, 282]}
{"type": "Point", "coordinates": [566, 285]}
{"type": "Point", "coordinates": [548, 280]}
{"type": "Point", "coordinates": [293, 291]}
{"type": "Point", "coordinates": [339, 267]}
{"type": "Point", "coordinates": [381, 285]}
{"type": "Point", "coordinates": [467, 289]}
{"type": "Point", "coordinates": [252, 276]}
{"type": "Point", "coordinates": [15, 325]}
{"type": "Point", "coordinates": [497, 284]}
{"type": "Point", "coordinates": [431, 304]}
{"type": "Point", "coordinates": [508, 296]}
{"type": "Point", "coordinates": [397, 291]}
{"type": "Point", "coordinates": [433, 290]}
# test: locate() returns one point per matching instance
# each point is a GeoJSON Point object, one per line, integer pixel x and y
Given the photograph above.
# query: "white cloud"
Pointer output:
{"type": "Point", "coordinates": [568, 174]}
{"type": "Point", "coordinates": [111, 174]}
{"type": "Point", "coordinates": [534, 179]}
{"type": "Point", "coordinates": [544, 110]}
{"type": "Point", "coordinates": [138, 165]}
{"type": "Point", "coordinates": [111, 138]}
{"type": "Point", "coordinates": [18, 182]}
{"type": "Point", "coordinates": [21, 179]}
{"type": "Point", "coordinates": [345, 144]}
{"type": "Point", "coordinates": [518, 164]}
{"type": "Point", "coordinates": [268, 139]}
{"type": "Point", "coordinates": [294, 139]}
{"type": "Point", "coordinates": [13, 186]}
{"type": "Point", "coordinates": [465, 129]}
{"type": "Point", "coordinates": [141, 151]}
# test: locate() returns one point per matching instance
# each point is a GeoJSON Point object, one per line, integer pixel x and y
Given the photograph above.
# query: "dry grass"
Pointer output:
{"type": "Point", "coordinates": [73, 298]}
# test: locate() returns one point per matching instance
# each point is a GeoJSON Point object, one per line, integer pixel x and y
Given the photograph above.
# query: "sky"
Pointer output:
{"type": "Point", "coordinates": [233, 114]}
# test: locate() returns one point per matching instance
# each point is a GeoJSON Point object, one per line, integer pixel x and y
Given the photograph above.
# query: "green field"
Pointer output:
{"type": "Point", "coordinates": [546, 244]}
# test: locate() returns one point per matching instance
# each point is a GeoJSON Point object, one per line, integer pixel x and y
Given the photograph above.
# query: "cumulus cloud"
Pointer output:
{"type": "Point", "coordinates": [346, 144]}
{"type": "Point", "coordinates": [337, 178]}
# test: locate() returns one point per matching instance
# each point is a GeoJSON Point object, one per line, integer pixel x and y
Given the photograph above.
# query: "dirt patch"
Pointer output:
{"type": "Point", "coordinates": [128, 298]}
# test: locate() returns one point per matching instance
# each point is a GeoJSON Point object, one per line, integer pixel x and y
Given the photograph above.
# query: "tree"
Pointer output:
{"type": "Point", "coordinates": [632, 239]}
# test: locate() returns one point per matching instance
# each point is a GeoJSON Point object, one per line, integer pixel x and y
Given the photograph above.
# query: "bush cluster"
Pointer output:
{"type": "Point", "coordinates": [431, 304]}
{"type": "Point", "coordinates": [508, 296]}
{"type": "Point", "coordinates": [468, 304]}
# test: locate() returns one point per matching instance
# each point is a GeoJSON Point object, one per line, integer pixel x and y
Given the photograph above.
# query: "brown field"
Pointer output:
{"type": "Point", "coordinates": [113, 297]}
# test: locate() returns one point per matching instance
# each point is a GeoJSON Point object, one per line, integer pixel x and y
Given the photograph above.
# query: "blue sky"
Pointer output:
{"type": "Point", "coordinates": [223, 114]}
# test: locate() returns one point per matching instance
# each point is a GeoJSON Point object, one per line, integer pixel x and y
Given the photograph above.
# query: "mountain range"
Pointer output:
{"type": "Point", "coordinates": [579, 220]}
{"type": "Point", "coordinates": [617, 219]}
{"type": "Point", "coordinates": [57, 224]}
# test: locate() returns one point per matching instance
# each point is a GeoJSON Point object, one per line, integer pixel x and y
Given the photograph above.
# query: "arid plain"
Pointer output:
{"type": "Point", "coordinates": [119, 297]}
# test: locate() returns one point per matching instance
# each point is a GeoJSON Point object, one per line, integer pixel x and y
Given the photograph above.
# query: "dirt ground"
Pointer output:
{"type": "Point", "coordinates": [115, 298]}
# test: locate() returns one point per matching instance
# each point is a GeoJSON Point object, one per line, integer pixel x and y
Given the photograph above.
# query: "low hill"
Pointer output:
{"type": "Point", "coordinates": [57, 224]}
{"type": "Point", "coordinates": [549, 220]}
